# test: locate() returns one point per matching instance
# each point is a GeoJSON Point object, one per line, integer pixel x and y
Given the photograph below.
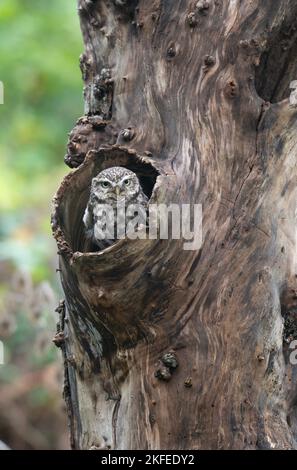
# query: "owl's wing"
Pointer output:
{"type": "Point", "coordinates": [142, 199]}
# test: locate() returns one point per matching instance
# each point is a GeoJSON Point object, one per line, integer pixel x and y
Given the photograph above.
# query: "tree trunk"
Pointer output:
{"type": "Point", "coordinates": [193, 97]}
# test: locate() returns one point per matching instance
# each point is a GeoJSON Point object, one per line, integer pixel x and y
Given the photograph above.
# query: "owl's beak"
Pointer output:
{"type": "Point", "coordinates": [118, 190]}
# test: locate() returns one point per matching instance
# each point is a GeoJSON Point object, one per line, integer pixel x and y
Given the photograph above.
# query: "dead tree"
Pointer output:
{"type": "Point", "coordinates": [194, 97]}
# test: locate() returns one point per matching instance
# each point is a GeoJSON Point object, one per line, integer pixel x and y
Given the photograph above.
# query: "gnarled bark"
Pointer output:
{"type": "Point", "coordinates": [170, 93]}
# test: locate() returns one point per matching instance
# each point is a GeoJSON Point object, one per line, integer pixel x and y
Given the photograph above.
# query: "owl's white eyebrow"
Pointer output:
{"type": "Point", "coordinates": [124, 178]}
{"type": "Point", "coordinates": [102, 180]}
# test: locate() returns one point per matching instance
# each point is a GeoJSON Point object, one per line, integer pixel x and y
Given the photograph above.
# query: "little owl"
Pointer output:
{"type": "Point", "coordinates": [113, 188]}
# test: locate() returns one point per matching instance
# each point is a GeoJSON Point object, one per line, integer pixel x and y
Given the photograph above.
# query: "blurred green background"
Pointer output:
{"type": "Point", "coordinates": [40, 42]}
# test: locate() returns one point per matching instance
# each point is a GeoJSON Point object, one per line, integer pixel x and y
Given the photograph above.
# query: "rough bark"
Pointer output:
{"type": "Point", "coordinates": [187, 94]}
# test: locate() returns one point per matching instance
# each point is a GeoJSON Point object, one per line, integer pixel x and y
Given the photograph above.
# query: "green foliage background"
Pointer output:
{"type": "Point", "coordinates": [40, 42]}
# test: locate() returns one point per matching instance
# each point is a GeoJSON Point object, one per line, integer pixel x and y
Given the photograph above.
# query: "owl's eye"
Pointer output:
{"type": "Point", "coordinates": [127, 182]}
{"type": "Point", "coordinates": [104, 184]}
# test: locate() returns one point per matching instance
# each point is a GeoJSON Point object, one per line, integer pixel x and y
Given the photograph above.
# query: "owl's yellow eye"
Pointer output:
{"type": "Point", "coordinates": [127, 182]}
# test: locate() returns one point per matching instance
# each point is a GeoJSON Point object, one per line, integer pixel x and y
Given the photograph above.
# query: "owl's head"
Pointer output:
{"type": "Point", "coordinates": [115, 183]}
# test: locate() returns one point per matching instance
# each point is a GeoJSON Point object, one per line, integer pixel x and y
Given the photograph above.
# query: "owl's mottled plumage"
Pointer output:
{"type": "Point", "coordinates": [113, 186]}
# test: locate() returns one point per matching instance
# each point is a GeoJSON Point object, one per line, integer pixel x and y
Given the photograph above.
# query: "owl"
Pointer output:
{"type": "Point", "coordinates": [116, 196]}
